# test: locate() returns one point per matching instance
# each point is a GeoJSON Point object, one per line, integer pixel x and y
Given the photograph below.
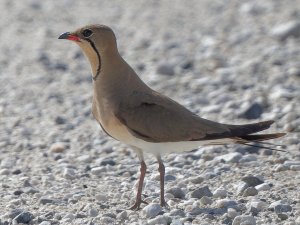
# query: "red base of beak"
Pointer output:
{"type": "Point", "coordinates": [69, 36]}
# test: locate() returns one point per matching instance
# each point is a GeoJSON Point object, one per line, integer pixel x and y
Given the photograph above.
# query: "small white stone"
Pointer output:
{"type": "Point", "coordinates": [232, 213]}
{"type": "Point", "coordinates": [280, 167]}
{"type": "Point", "coordinates": [232, 157]}
{"type": "Point", "coordinates": [69, 173]}
{"type": "Point", "coordinates": [45, 223]}
{"type": "Point", "coordinates": [285, 30]}
{"type": "Point", "coordinates": [85, 158]}
{"type": "Point", "coordinates": [176, 222]}
{"type": "Point", "coordinates": [161, 219]}
{"type": "Point", "coordinates": [245, 220]}
{"type": "Point", "coordinates": [263, 187]}
{"type": "Point", "coordinates": [98, 170]}
{"type": "Point", "coordinates": [220, 193]}
{"type": "Point", "coordinates": [57, 147]}
{"type": "Point", "coordinates": [7, 163]}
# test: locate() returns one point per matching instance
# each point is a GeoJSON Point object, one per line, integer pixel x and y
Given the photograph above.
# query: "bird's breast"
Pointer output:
{"type": "Point", "coordinates": [104, 114]}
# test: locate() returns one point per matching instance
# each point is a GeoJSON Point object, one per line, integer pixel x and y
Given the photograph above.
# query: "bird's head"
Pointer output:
{"type": "Point", "coordinates": [98, 42]}
{"type": "Point", "coordinates": [99, 38]}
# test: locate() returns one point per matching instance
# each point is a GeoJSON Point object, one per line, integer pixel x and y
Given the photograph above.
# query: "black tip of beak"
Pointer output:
{"type": "Point", "coordinates": [64, 35]}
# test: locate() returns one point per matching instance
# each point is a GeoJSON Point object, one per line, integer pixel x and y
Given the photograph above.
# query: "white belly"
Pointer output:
{"type": "Point", "coordinates": [173, 147]}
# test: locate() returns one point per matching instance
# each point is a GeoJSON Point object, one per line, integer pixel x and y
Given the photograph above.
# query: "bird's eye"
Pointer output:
{"type": "Point", "coordinates": [87, 32]}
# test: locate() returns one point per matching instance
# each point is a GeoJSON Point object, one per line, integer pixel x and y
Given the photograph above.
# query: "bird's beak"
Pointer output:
{"type": "Point", "coordinates": [69, 36]}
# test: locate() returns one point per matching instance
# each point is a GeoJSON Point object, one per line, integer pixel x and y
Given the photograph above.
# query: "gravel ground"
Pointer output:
{"type": "Point", "coordinates": [231, 61]}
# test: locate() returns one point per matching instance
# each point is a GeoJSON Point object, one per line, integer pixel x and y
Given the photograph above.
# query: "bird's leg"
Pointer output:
{"type": "Point", "coordinates": [161, 169]}
{"type": "Point", "coordinates": [139, 200]}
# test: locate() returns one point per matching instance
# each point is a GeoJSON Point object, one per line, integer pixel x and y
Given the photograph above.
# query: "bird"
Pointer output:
{"type": "Point", "coordinates": [149, 122]}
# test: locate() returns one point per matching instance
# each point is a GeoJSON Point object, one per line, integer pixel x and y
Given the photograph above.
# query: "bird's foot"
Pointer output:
{"type": "Point", "coordinates": [164, 204]}
{"type": "Point", "coordinates": [137, 205]}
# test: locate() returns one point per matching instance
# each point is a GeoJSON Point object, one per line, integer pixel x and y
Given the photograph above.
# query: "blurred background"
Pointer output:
{"type": "Point", "coordinates": [232, 61]}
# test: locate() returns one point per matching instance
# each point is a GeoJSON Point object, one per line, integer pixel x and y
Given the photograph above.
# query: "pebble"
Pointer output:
{"type": "Point", "coordinates": [244, 220]}
{"type": "Point", "coordinates": [165, 68]}
{"type": "Point", "coordinates": [200, 192]}
{"type": "Point", "coordinates": [280, 167]}
{"type": "Point", "coordinates": [225, 203]}
{"type": "Point", "coordinates": [291, 163]}
{"type": "Point", "coordinates": [112, 215]}
{"type": "Point", "coordinates": [93, 212]}
{"type": "Point", "coordinates": [45, 200]}
{"type": "Point", "coordinates": [69, 173]}
{"type": "Point", "coordinates": [282, 208]}
{"type": "Point", "coordinates": [206, 200]}
{"type": "Point", "coordinates": [176, 192]}
{"type": "Point", "coordinates": [263, 187]}
{"type": "Point", "coordinates": [177, 213]}
{"type": "Point", "coordinates": [161, 220]}
{"type": "Point", "coordinates": [258, 205]}
{"type": "Point", "coordinates": [107, 220]}
{"type": "Point", "coordinates": [57, 147]}
{"type": "Point", "coordinates": [45, 223]}
{"type": "Point", "coordinates": [7, 163]}
{"type": "Point", "coordinates": [98, 170]}
{"type": "Point", "coordinates": [69, 216]}
{"type": "Point", "coordinates": [232, 213]}
{"type": "Point", "coordinates": [252, 180]}
{"type": "Point", "coordinates": [30, 190]}
{"type": "Point", "coordinates": [176, 222]}
{"type": "Point", "coordinates": [233, 157]}
{"type": "Point", "coordinates": [196, 180]}
{"type": "Point", "coordinates": [282, 216]}
{"type": "Point", "coordinates": [250, 191]}
{"type": "Point", "coordinates": [24, 217]}
{"type": "Point", "coordinates": [4, 171]}
{"type": "Point", "coordinates": [241, 187]}
{"type": "Point", "coordinates": [295, 167]}
{"type": "Point", "coordinates": [152, 210]}
{"type": "Point", "coordinates": [254, 111]}
{"type": "Point", "coordinates": [286, 30]}
{"type": "Point", "coordinates": [252, 8]}
{"type": "Point", "coordinates": [105, 162]}
{"type": "Point", "coordinates": [60, 120]}
{"type": "Point", "coordinates": [169, 177]}
{"type": "Point", "coordinates": [221, 192]}
{"type": "Point", "coordinates": [85, 158]}
{"type": "Point", "coordinates": [248, 158]}
{"type": "Point", "coordinates": [101, 197]}
{"type": "Point", "coordinates": [122, 215]}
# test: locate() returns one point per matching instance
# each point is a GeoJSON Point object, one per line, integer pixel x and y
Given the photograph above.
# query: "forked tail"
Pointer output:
{"type": "Point", "coordinates": [243, 134]}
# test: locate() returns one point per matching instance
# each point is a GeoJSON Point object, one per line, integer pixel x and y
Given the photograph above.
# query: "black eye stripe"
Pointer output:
{"type": "Point", "coordinates": [87, 32]}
